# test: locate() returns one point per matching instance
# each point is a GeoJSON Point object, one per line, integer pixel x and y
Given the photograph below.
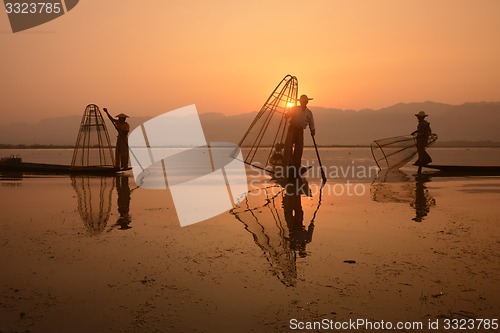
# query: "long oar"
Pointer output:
{"type": "Point", "coordinates": [323, 176]}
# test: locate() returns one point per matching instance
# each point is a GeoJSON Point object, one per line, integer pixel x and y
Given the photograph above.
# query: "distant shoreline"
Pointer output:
{"type": "Point", "coordinates": [445, 144]}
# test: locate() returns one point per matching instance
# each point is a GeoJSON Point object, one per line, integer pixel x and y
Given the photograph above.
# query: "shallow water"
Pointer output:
{"type": "Point", "coordinates": [98, 254]}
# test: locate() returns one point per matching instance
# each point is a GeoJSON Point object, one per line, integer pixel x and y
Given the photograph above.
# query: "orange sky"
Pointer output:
{"type": "Point", "coordinates": [148, 57]}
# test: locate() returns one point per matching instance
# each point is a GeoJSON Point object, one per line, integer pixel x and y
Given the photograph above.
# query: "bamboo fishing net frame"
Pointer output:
{"type": "Point", "coordinates": [93, 146]}
{"type": "Point", "coordinates": [270, 125]}
{"type": "Point", "coordinates": [394, 152]}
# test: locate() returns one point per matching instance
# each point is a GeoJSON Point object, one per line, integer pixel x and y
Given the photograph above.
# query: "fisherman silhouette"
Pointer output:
{"type": "Point", "coordinates": [423, 132]}
{"type": "Point", "coordinates": [121, 150]}
{"type": "Point", "coordinates": [300, 117]}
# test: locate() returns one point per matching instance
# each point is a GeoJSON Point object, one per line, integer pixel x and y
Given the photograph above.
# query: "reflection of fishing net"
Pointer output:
{"type": "Point", "coordinates": [93, 147]}
{"type": "Point", "coordinates": [269, 229]}
{"type": "Point", "coordinates": [94, 200]}
{"type": "Point", "coordinates": [263, 142]}
{"type": "Point", "coordinates": [276, 220]}
{"type": "Point", "coordinates": [394, 186]}
{"type": "Point", "coordinates": [395, 152]}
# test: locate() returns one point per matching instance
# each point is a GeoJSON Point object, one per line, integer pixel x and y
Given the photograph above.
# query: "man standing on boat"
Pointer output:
{"type": "Point", "coordinates": [123, 128]}
{"type": "Point", "coordinates": [423, 132]}
{"type": "Point", "coordinates": [300, 117]}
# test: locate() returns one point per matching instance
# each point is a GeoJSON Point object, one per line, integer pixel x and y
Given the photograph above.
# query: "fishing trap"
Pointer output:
{"type": "Point", "coordinates": [264, 142]}
{"type": "Point", "coordinates": [393, 153]}
{"type": "Point", "coordinates": [93, 147]}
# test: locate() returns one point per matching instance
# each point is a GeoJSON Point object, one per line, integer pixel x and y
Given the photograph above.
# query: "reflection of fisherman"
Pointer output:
{"type": "Point", "coordinates": [121, 152]}
{"type": "Point", "coordinates": [123, 191]}
{"type": "Point", "coordinates": [423, 201]}
{"type": "Point", "coordinates": [294, 216]}
{"type": "Point", "coordinates": [423, 132]}
{"type": "Point", "coordinates": [300, 117]}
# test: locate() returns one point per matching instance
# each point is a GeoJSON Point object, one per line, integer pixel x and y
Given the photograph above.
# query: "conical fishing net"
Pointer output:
{"type": "Point", "coordinates": [93, 147]}
{"type": "Point", "coordinates": [263, 143]}
{"type": "Point", "coordinates": [395, 152]}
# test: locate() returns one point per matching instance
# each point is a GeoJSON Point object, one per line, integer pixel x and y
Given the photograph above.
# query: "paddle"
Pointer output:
{"type": "Point", "coordinates": [323, 176]}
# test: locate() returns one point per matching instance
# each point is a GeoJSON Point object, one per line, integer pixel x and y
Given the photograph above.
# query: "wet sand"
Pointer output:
{"type": "Point", "coordinates": [69, 266]}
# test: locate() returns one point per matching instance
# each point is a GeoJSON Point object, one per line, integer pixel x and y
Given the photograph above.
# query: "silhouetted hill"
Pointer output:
{"type": "Point", "coordinates": [460, 123]}
{"type": "Point", "coordinates": [467, 122]}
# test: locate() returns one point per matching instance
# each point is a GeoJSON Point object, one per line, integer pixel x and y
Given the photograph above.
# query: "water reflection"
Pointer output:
{"type": "Point", "coordinates": [299, 235]}
{"type": "Point", "coordinates": [94, 201]}
{"type": "Point", "coordinates": [395, 186]}
{"type": "Point", "coordinates": [392, 186]}
{"type": "Point", "coordinates": [423, 200]}
{"type": "Point", "coordinates": [274, 216]}
{"type": "Point", "coordinates": [11, 178]}
{"type": "Point", "coordinates": [123, 192]}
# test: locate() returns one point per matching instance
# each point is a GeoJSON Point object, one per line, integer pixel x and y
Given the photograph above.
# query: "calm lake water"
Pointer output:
{"type": "Point", "coordinates": [460, 156]}
{"type": "Point", "coordinates": [98, 253]}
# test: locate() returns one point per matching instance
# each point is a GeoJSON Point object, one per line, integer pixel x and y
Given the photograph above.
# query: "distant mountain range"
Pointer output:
{"type": "Point", "coordinates": [459, 124]}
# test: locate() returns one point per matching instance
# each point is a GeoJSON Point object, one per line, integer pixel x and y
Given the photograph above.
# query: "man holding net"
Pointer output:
{"type": "Point", "coordinates": [121, 151]}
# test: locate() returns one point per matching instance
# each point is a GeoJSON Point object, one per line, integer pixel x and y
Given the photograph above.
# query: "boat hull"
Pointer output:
{"type": "Point", "coordinates": [466, 169]}
{"type": "Point", "coordinates": [41, 168]}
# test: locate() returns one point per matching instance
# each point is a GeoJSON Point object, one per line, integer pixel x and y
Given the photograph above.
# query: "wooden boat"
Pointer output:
{"type": "Point", "coordinates": [16, 164]}
{"type": "Point", "coordinates": [485, 170]}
